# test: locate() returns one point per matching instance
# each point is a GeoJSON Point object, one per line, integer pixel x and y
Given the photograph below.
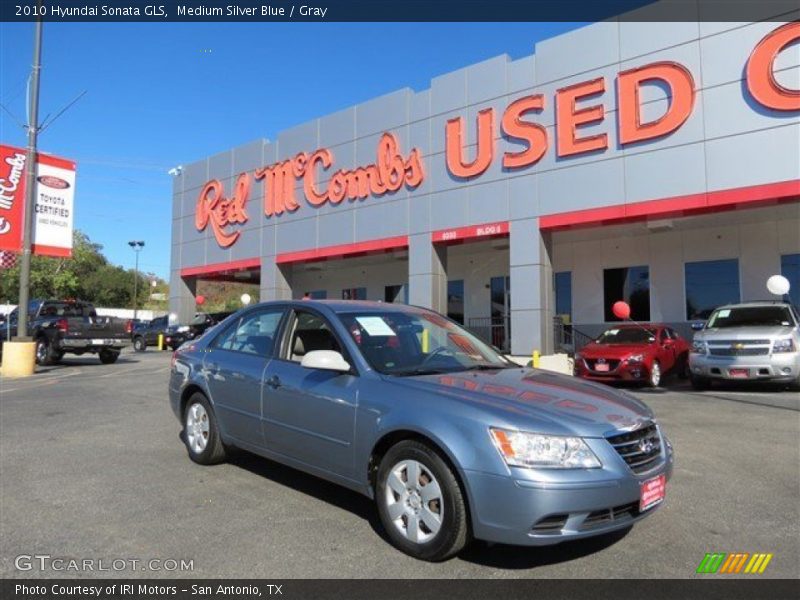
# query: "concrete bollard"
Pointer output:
{"type": "Point", "coordinates": [19, 359]}
{"type": "Point", "coordinates": [160, 341]}
{"type": "Point", "coordinates": [535, 359]}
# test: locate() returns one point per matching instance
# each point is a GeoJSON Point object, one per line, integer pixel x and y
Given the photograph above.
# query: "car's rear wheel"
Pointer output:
{"type": "Point", "coordinates": [700, 383]}
{"type": "Point", "coordinates": [108, 357]}
{"type": "Point", "coordinates": [139, 345]}
{"type": "Point", "coordinates": [45, 353]}
{"type": "Point", "coordinates": [201, 433]}
{"type": "Point", "coordinates": [420, 502]}
{"type": "Point", "coordinates": [655, 375]}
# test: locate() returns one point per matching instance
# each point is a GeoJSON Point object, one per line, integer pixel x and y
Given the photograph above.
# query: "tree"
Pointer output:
{"type": "Point", "coordinates": [86, 275]}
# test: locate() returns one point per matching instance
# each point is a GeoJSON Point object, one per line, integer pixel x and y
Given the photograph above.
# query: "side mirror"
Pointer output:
{"type": "Point", "coordinates": [328, 360]}
{"type": "Point", "coordinates": [698, 325]}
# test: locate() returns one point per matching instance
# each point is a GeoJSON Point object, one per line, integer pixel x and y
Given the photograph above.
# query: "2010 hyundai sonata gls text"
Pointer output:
{"type": "Point", "coordinates": [451, 439]}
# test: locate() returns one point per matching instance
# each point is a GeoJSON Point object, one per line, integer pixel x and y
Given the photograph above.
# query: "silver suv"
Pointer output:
{"type": "Point", "coordinates": [749, 341]}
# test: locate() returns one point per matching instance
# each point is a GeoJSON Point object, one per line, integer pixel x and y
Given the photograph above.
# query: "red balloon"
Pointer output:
{"type": "Point", "coordinates": [200, 300]}
{"type": "Point", "coordinates": [621, 310]}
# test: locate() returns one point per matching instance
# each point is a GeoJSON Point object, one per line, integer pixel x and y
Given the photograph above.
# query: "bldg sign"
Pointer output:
{"type": "Point", "coordinates": [54, 197]}
{"type": "Point", "coordinates": [576, 106]}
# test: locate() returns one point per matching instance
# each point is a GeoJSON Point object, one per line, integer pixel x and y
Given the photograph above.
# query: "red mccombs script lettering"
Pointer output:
{"type": "Point", "coordinates": [390, 172]}
{"type": "Point", "coordinates": [214, 208]}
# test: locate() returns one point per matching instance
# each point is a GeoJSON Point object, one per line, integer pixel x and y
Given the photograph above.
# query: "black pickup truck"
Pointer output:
{"type": "Point", "coordinates": [146, 334]}
{"type": "Point", "coordinates": [61, 327]}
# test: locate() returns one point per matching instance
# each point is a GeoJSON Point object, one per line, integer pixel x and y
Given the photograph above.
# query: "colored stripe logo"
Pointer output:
{"type": "Point", "coordinates": [736, 562]}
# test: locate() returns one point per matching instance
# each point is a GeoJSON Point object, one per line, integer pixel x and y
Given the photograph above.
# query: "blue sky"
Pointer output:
{"type": "Point", "coordinates": [160, 95]}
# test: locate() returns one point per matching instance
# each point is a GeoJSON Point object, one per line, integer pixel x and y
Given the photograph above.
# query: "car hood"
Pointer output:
{"type": "Point", "coordinates": [762, 332]}
{"type": "Point", "coordinates": [536, 400]}
{"type": "Point", "coordinates": [612, 350]}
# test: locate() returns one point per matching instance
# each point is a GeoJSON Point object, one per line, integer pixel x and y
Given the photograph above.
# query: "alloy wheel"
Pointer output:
{"type": "Point", "coordinates": [414, 501]}
{"type": "Point", "coordinates": [655, 374]}
{"type": "Point", "coordinates": [41, 352]}
{"type": "Point", "coordinates": [197, 428]}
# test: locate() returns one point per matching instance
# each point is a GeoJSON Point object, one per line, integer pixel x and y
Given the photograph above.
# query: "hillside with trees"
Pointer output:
{"type": "Point", "coordinates": [88, 275]}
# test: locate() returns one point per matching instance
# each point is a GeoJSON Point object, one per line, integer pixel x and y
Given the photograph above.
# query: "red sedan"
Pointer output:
{"type": "Point", "coordinates": [634, 352]}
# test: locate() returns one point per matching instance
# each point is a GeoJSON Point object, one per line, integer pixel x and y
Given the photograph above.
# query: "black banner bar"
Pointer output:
{"type": "Point", "coordinates": [160, 11]}
{"type": "Point", "coordinates": [711, 588]}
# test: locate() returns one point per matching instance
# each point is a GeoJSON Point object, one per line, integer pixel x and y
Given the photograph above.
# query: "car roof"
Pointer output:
{"type": "Point", "coordinates": [348, 306]}
{"type": "Point", "coordinates": [755, 304]}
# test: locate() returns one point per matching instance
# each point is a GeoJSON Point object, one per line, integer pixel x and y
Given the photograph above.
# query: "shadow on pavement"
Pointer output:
{"type": "Point", "coordinates": [482, 553]}
{"type": "Point", "coordinates": [528, 557]}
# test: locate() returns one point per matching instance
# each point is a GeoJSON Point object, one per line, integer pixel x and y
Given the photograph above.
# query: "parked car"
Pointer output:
{"type": "Point", "coordinates": [634, 353]}
{"type": "Point", "coordinates": [401, 404]}
{"type": "Point", "coordinates": [749, 341]}
{"type": "Point", "coordinates": [146, 333]}
{"type": "Point", "coordinates": [70, 326]}
{"type": "Point", "coordinates": [178, 334]}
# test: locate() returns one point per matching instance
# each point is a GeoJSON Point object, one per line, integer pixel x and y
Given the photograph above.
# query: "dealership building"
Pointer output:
{"type": "Point", "coordinates": [657, 163]}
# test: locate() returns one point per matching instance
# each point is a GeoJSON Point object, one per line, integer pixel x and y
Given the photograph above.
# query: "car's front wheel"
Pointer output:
{"type": "Point", "coordinates": [201, 433]}
{"type": "Point", "coordinates": [420, 502]}
{"type": "Point", "coordinates": [139, 345]}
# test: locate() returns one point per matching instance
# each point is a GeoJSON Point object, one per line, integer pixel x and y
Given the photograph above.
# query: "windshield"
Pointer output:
{"type": "Point", "coordinates": [418, 343]}
{"type": "Point", "coordinates": [627, 336]}
{"type": "Point", "coordinates": [748, 316]}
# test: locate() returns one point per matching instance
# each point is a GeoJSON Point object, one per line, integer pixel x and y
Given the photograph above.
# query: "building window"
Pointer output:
{"type": "Point", "coordinates": [316, 295]}
{"type": "Point", "coordinates": [631, 284]}
{"type": "Point", "coordinates": [395, 293]}
{"type": "Point", "coordinates": [359, 293]}
{"type": "Point", "coordinates": [709, 284]}
{"type": "Point", "coordinates": [500, 288]}
{"type": "Point", "coordinates": [562, 282]}
{"type": "Point", "coordinates": [455, 300]}
{"type": "Point", "coordinates": [790, 268]}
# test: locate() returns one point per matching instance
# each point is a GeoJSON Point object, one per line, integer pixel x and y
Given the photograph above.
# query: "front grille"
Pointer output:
{"type": "Point", "coordinates": [745, 342]}
{"type": "Point", "coordinates": [612, 365]}
{"type": "Point", "coordinates": [550, 524]}
{"type": "Point", "coordinates": [609, 515]}
{"type": "Point", "coordinates": [640, 449]}
{"type": "Point", "coordinates": [733, 351]}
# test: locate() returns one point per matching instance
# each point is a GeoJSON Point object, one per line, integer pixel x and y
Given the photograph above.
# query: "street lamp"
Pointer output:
{"type": "Point", "coordinates": [137, 247]}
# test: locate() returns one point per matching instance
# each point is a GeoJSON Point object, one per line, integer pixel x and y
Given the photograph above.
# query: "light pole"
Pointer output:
{"type": "Point", "coordinates": [137, 247]}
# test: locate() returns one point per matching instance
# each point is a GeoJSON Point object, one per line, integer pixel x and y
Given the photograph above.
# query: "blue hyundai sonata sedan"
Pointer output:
{"type": "Point", "coordinates": [452, 440]}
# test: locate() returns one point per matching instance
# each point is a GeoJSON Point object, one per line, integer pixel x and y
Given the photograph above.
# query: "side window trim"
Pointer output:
{"type": "Point", "coordinates": [235, 324]}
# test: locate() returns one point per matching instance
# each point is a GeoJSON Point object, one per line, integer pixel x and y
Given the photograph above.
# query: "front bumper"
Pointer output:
{"type": "Point", "coordinates": [512, 509]}
{"type": "Point", "coordinates": [624, 372]}
{"type": "Point", "coordinates": [784, 366]}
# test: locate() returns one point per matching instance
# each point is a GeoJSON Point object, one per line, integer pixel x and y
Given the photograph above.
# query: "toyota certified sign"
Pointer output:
{"type": "Point", "coordinates": [54, 197]}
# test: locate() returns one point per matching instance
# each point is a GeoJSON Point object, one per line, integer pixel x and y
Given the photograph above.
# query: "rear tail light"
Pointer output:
{"type": "Point", "coordinates": [129, 326]}
{"type": "Point", "coordinates": [62, 325]}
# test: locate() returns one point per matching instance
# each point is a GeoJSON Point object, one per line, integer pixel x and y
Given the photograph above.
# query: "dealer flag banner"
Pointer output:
{"type": "Point", "coordinates": [55, 196]}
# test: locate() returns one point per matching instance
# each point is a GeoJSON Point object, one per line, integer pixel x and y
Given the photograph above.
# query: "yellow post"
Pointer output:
{"type": "Point", "coordinates": [160, 341]}
{"type": "Point", "coordinates": [535, 361]}
{"type": "Point", "coordinates": [19, 359]}
{"type": "Point", "coordinates": [426, 340]}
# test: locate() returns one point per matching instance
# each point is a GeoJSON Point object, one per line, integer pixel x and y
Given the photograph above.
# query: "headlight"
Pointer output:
{"type": "Point", "coordinates": [785, 345]}
{"type": "Point", "coordinates": [635, 358]}
{"type": "Point", "coordinates": [183, 329]}
{"type": "Point", "coordinates": [520, 449]}
{"type": "Point", "coordinates": [699, 347]}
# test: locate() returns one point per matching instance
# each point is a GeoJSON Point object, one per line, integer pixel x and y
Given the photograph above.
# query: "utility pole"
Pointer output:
{"type": "Point", "coordinates": [30, 185]}
{"type": "Point", "coordinates": [137, 247]}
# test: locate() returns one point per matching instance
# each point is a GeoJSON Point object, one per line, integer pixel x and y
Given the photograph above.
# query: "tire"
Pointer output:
{"type": "Point", "coordinates": [139, 344]}
{"type": "Point", "coordinates": [654, 380]}
{"type": "Point", "coordinates": [700, 383]}
{"type": "Point", "coordinates": [201, 433]}
{"type": "Point", "coordinates": [108, 357]}
{"type": "Point", "coordinates": [442, 527]}
{"type": "Point", "coordinates": [45, 354]}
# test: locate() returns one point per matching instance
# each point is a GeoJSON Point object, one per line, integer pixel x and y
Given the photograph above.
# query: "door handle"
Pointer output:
{"type": "Point", "coordinates": [274, 382]}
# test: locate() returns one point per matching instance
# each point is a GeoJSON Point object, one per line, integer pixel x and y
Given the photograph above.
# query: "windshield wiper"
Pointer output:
{"type": "Point", "coordinates": [420, 371]}
{"type": "Point", "coordinates": [489, 367]}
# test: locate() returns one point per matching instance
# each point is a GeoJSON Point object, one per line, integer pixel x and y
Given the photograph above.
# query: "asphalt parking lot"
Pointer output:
{"type": "Point", "coordinates": [92, 467]}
